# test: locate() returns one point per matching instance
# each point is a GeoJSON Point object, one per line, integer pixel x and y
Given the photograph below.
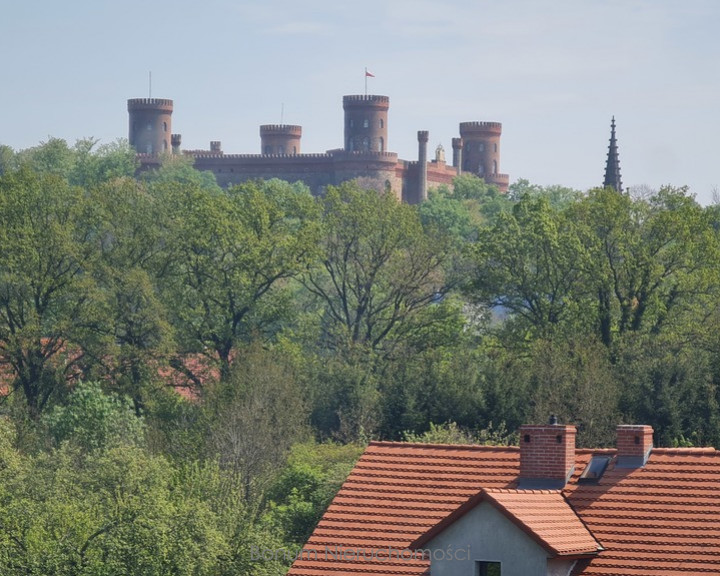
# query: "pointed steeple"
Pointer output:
{"type": "Point", "coordinates": [612, 168]}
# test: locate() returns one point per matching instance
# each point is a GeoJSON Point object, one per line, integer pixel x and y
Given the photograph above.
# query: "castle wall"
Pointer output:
{"type": "Point", "coordinates": [315, 170]}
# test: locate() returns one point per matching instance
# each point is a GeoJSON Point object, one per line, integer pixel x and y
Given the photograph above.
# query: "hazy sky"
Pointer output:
{"type": "Point", "coordinates": [553, 72]}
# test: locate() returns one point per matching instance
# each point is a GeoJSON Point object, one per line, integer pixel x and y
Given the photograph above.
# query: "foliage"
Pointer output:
{"type": "Point", "coordinates": [305, 487]}
{"type": "Point", "coordinates": [93, 420]}
{"type": "Point", "coordinates": [379, 270]}
{"type": "Point", "coordinates": [48, 300]}
{"type": "Point", "coordinates": [230, 254]}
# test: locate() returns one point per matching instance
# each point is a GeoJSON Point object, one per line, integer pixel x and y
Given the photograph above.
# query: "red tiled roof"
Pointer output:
{"type": "Point", "coordinates": [658, 520]}
{"type": "Point", "coordinates": [396, 493]}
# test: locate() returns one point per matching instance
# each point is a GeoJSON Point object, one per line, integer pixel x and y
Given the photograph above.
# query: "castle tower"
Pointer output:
{"type": "Point", "coordinates": [481, 147]}
{"type": "Point", "coordinates": [366, 123]}
{"type": "Point", "coordinates": [612, 166]}
{"type": "Point", "coordinates": [150, 125]}
{"type": "Point", "coordinates": [280, 139]}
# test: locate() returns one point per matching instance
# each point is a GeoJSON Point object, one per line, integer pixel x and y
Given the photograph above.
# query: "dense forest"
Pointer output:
{"type": "Point", "coordinates": [188, 372]}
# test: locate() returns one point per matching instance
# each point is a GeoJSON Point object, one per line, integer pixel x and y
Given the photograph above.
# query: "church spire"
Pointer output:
{"type": "Point", "coordinates": [612, 168]}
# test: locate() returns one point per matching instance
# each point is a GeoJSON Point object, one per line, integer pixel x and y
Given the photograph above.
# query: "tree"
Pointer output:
{"type": "Point", "coordinates": [256, 417]}
{"type": "Point", "coordinates": [533, 264]}
{"type": "Point", "coordinates": [229, 252]}
{"type": "Point", "coordinates": [380, 270]}
{"type": "Point", "coordinates": [652, 257]}
{"type": "Point", "coordinates": [93, 420]}
{"type": "Point", "coordinates": [49, 309]}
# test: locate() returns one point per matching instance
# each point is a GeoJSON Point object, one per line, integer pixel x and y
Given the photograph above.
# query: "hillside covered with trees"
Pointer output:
{"type": "Point", "coordinates": [188, 372]}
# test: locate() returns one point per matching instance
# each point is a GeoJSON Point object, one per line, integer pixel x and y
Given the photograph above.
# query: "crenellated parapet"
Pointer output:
{"type": "Point", "coordinates": [149, 104]}
{"type": "Point", "coordinates": [366, 100]}
{"type": "Point", "coordinates": [480, 128]}
{"type": "Point", "coordinates": [281, 129]}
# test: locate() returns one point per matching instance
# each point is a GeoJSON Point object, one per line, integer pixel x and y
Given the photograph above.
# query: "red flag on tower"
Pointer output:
{"type": "Point", "coordinates": [369, 74]}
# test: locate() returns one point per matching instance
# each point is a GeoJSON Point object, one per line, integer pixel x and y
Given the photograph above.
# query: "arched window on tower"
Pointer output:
{"type": "Point", "coordinates": [351, 145]}
{"type": "Point", "coordinates": [495, 147]}
{"type": "Point", "coordinates": [148, 148]}
{"type": "Point", "coordinates": [366, 144]}
{"type": "Point", "coordinates": [164, 145]}
{"type": "Point", "coordinates": [164, 126]}
{"type": "Point", "coordinates": [382, 123]}
{"type": "Point", "coordinates": [366, 123]}
{"type": "Point", "coordinates": [481, 169]}
{"type": "Point", "coordinates": [381, 145]}
{"type": "Point", "coordinates": [494, 166]}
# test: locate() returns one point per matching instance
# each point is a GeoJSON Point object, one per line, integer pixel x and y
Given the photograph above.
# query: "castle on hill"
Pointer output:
{"type": "Point", "coordinates": [365, 154]}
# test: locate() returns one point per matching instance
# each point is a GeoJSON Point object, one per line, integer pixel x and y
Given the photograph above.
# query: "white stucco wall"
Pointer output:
{"type": "Point", "coordinates": [489, 536]}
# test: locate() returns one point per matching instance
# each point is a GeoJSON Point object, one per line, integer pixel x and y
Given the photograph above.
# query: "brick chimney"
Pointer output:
{"type": "Point", "coordinates": [547, 456]}
{"type": "Point", "coordinates": [634, 444]}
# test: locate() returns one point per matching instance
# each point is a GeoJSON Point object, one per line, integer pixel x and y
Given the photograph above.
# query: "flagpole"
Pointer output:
{"type": "Point", "coordinates": [365, 81]}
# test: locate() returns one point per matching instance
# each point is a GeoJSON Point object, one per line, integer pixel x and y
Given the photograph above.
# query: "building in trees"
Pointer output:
{"type": "Point", "coordinates": [365, 154]}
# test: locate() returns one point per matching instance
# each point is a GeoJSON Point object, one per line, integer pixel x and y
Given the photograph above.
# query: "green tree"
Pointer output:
{"type": "Point", "coordinates": [92, 419]}
{"type": "Point", "coordinates": [533, 264]}
{"type": "Point", "coordinates": [380, 271]}
{"type": "Point", "coordinates": [49, 308]}
{"type": "Point", "coordinates": [230, 253]}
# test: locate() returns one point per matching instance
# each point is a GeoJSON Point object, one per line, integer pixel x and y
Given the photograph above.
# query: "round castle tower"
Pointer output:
{"type": "Point", "coordinates": [280, 139]}
{"type": "Point", "coordinates": [366, 123]}
{"type": "Point", "coordinates": [481, 148]}
{"type": "Point", "coordinates": [150, 125]}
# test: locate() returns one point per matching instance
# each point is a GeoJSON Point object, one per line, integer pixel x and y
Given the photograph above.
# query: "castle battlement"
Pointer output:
{"type": "Point", "coordinates": [369, 154]}
{"type": "Point", "coordinates": [365, 100]}
{"type": "Point", "coordinates": [280, 129]}
{"type": "Point", "coordinates": [491, 127]}
{"type": "Point", "coordinates": [261, 157]}
{"type": "Point", "coordinates": [149, 104]}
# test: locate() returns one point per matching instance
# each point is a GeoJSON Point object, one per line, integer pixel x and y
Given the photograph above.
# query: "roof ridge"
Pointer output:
{"type": "Point", "coordinates": [454, 446]}
{"type": "Point", "coordinates": [689, 451]}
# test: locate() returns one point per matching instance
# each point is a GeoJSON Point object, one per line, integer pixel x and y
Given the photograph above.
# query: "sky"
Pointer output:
{"type": "Point", "coordinates": [553, 72]}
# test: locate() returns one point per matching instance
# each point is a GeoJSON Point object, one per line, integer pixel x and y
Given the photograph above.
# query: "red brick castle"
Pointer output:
{"type": "Point", "coordinates": [364, 156]}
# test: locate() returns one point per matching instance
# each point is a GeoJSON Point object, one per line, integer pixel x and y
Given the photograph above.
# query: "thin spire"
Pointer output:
{"type": "Point", "coordinates": [612, 167]}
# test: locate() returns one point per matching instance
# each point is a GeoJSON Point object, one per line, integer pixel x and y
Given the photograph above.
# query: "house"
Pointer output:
{"type": "Point", "coordinates": [543, 508]}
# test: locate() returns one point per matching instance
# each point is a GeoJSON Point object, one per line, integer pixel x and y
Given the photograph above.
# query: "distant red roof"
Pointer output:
{"type": "Point", "coordinates": [658, 520]}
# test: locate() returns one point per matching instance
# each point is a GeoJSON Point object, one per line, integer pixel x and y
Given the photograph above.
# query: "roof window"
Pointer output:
{"type": "Point", "coordinates": [594, 470]}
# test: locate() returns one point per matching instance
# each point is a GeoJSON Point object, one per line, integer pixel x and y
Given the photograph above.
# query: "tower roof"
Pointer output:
{"type": "Point", "coordinates": [612, 167]}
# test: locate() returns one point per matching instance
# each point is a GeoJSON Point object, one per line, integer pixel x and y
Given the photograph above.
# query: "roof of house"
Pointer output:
{"type": "Point", "coordinates": [661, 519]}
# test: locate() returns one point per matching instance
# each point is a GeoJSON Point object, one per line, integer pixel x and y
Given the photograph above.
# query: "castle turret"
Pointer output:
{"type": "Point", "coordinates": [612, 166]}
{"type": "Point", "coordinates": [150, 125]}
{"type": "Point", "coordinates": [176, 141]}
{"type": "Point", "coordinates": [422, 137]}
{"type": "Point", "coordinates": [280, 139]}
{"type": "Point", "coordinates": [481, 152]}
{"type": "Point", "coordinates": [366, 123]}
{"type": "Point", "coordinates": [457, 145]}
